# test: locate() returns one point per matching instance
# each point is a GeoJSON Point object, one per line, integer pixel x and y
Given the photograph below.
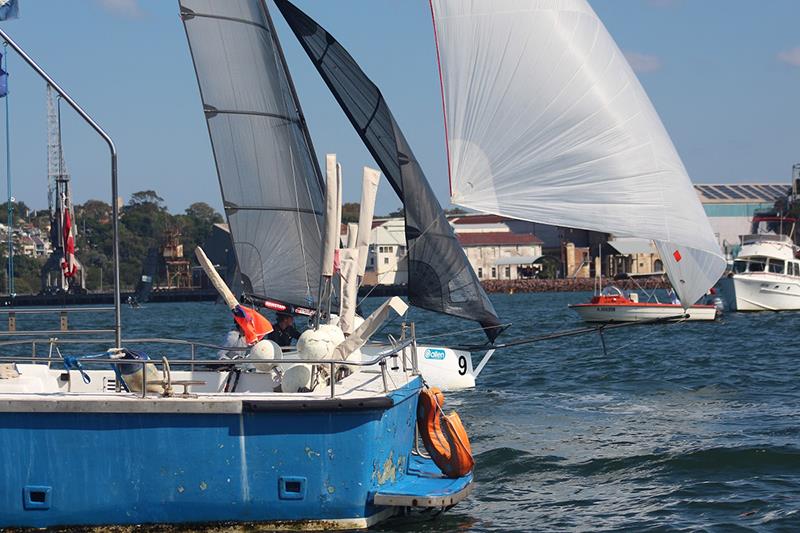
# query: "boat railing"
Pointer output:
{"type": "Point", "coordinates": [394, 350]}
{"type": "Point", "coordinates": [761, 237]}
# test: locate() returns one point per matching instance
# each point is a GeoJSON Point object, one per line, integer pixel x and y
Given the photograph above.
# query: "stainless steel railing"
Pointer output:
{"type": "Point", "coordinates": [379, 359]}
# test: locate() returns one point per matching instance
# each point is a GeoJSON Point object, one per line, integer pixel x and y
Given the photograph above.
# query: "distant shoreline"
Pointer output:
{"type": "Point", "coordinates": [569, 285]}
{"type": "Point", "coordinates": [497, 286]}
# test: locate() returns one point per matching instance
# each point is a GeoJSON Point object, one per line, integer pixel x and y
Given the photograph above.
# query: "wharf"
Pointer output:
{"type": "Point", "coordinates": [95, 298]}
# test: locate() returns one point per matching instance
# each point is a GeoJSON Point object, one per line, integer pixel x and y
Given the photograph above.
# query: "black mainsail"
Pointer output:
{"type": "Point", "coordinates": [271, 183]}
{"type": "Point", "coordinates": [440, 277]}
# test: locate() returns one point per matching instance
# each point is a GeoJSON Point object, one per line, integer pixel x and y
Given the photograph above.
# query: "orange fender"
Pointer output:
{"type": "Point", "coordinates": [444, 436]}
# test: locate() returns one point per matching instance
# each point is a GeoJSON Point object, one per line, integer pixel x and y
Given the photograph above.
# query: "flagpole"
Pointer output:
{"type": "Point", "coordinates": [10, 281]}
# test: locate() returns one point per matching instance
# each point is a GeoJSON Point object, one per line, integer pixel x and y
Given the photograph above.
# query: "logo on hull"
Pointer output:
{"type": "Point", "coordinates": [434, 353]}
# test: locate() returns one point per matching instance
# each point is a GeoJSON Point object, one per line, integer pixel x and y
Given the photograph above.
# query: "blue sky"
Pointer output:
{"type": "Point", "coordinates": [723, 74]}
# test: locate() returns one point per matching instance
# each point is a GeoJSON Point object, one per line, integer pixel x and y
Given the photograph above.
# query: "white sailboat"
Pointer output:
{"type": "Point", "coordinates": [547, 122]}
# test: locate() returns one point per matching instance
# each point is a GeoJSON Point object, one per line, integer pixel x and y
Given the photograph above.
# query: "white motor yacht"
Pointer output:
{"type": "Point", "coordinates": [765, 275]}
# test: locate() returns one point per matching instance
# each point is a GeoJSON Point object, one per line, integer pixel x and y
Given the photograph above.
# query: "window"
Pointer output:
{"type": "Point", "coordinates": [776, 266]}
{"type": "Point", "coordinates": [494, 272]}
{"type": "Point", "coordinates": [758, 264]}
{"type": "Point", "coordinates": [739, 266]}
{"type": "Point", "coordinates": [480, 272]}
{"type": "Point", "coordinates": [385, 260]}
{"type": "Point", "coordinates": [508, 272]}
{"type": "Point", "coordinates": [390, 249]}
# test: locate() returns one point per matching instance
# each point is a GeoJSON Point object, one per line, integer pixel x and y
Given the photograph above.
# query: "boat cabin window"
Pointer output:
{"type": "Point", "coordinates": [776, 266]}
{"type": "Point", "coordinates": [758, 264]}
{"type": "Point", "coordinates": [739, 266]}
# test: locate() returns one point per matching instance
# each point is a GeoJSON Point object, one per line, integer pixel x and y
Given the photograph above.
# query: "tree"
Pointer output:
{"type": "Point", "coordinates": [397, 213]}
{"type": "Point", "coordinates": [195, 225]}
{"type": "Point", "coordinates": [350, 212]}
{"type": "Point", "coordinates": [146, 197]}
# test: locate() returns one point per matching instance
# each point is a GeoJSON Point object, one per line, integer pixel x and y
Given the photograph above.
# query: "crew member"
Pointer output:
{"type": "Point", "coordinates": [284, 331]}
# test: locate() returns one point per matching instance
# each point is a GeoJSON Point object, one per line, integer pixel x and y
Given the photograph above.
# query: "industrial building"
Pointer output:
{"type": "Point", "coordinates": [730, 207]}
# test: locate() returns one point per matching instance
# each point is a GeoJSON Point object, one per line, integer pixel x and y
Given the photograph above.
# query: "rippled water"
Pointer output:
{"type": "Point", "coordinates": [679, 427]}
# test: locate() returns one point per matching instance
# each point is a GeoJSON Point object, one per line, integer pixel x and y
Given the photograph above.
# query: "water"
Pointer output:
{"type": "Point", "coordinates": [681, 427]}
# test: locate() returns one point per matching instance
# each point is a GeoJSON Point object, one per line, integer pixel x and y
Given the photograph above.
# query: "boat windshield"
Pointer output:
{"type": "Point", "coordinates": [776, 266]}
{"type": "Point", "coordinates": [739, 266]}
{"type": "Point", "coordinates": [757, 264]}
{"type": "Point", "coordinates": [611, 290]}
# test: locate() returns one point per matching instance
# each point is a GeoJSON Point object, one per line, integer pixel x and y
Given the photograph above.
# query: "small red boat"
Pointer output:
{"type": "Point", "coordinates": [614, 305]}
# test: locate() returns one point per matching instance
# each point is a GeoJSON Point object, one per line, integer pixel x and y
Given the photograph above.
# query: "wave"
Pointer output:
{"type": "Point", "coordinates": [709, 462]}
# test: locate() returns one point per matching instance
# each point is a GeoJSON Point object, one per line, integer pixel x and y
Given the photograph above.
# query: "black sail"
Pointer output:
{"type": "Point", "coordinates": [440, 277]}
{"type": "Point", "coordinates": [271, 183]}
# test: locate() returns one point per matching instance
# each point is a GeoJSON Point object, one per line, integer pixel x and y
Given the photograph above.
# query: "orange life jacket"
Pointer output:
{"type": "Point", "coordinates": [444, 435]}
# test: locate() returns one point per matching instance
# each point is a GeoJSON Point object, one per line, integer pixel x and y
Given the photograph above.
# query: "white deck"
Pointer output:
{"type": "Point", "coordinates": [42, 389]}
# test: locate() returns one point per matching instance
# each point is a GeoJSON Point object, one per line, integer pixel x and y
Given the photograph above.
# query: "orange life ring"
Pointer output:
{"type": "Point", "coordinates": [444, 435]}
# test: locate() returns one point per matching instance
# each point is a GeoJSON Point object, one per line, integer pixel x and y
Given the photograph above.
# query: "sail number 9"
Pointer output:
{"type": "Point", "coordinates": [462, 365]}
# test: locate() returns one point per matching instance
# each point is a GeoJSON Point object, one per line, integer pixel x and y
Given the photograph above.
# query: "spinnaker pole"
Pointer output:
{"type": "Point", "coordinates": [114, 188]}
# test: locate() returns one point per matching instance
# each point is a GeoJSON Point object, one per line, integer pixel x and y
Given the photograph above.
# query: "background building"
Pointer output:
{"type": "Point", "coordinates": [730, 208]}
{"type": "Point", "coordinates": [387, 263]}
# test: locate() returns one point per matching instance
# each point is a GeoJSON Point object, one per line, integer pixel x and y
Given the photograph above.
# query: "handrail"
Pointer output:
{"type": "Point", "coordinates": [114, 188]}
{"type": "Point", "coordinates": [381, 356]}
{"type": "Point", "coordinates": [379, 359]}
{"type": "Point", "coordinates": [756, 237]}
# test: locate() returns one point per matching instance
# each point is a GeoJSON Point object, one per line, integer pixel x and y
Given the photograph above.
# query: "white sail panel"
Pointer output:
{"type": "Point", "coordinates": [547, 122]}
{"type": "Point", "coordinates": [270, 182]}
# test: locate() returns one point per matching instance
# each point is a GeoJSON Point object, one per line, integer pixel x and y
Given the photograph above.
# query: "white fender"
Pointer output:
{"type": "Point", "coordinates": [265, 350]}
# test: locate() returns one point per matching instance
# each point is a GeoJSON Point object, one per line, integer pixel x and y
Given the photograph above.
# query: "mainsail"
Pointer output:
{"type": "Point", "coordinates": [440, 277]}
{"type": "Point", "coordinates": [547, 122]}
{"type": "Point", "coordinates": [271, 184]}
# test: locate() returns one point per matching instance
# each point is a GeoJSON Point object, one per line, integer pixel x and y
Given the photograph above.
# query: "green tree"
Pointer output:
{"type": "Point", "coordinates": [350, 212]}
{"type": "Point", "coordinates": [195, 225]}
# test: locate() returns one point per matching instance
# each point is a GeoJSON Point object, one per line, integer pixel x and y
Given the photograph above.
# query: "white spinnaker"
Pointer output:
{"type": "Point", "coordinates": [547, 122]}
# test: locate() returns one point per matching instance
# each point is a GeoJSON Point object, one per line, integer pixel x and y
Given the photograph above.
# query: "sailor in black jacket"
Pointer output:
{"type": "Point", "coordinates": [284, 331]}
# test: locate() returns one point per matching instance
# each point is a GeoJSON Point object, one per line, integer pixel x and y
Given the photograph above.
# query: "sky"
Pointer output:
{"type": "Point", "coordinates": [723, 74]}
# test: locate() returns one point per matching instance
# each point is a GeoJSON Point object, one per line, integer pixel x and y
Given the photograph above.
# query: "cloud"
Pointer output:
{"type": "Point", "coordinates": [790, 57]}
{"type": "Point", "coordinates": [643, 63]}
{"type": "Point", "coordinates": [124, 8]}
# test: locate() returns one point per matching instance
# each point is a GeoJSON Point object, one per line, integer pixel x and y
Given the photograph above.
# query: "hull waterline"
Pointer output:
{"type": "Point", "coordinates": [764, 292]}
{"type": "Point", "coordinates": [643, 312]}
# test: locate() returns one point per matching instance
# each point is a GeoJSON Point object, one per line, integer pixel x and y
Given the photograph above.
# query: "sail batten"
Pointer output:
{"type": "Point", "coordinates": [547, 122]}
{"type": "Point", "coordinates": [270, 182]}
{"type": "Point", "coordinates": [440, 277]}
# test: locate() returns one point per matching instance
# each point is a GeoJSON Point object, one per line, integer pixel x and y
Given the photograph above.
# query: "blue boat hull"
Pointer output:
{"type": "Point", "coordinates": [261, 465]}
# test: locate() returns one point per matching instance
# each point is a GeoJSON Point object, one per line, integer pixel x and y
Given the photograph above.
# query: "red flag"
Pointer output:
{"type": "Point", "coordinates": [68, 263]}
{"type": "Point", "coordinates": [677, 255]}
{"type": "Point", "coordinates": [253, 324]}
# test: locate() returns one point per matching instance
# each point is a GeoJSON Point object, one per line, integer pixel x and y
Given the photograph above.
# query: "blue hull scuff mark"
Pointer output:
{"type": "Point", "coordinates": [243, 460]}
{"type": "Point", "coordinates": [172, 468]}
